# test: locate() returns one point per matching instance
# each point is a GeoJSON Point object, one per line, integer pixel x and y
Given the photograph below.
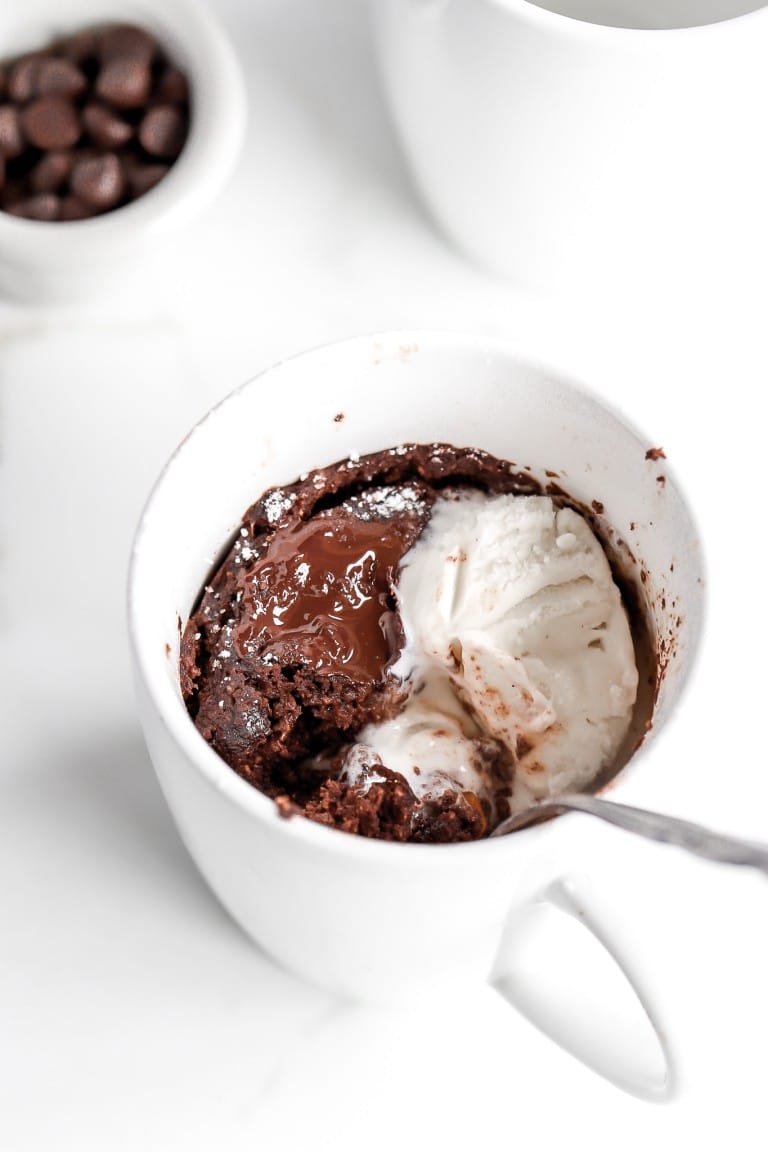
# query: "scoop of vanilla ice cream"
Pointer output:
{"type": "Point", "coordinates": [515, 630]}
{"type": "Point", "coordinates": [434, 742]}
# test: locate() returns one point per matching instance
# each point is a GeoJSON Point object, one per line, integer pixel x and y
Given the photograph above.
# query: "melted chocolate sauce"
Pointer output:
{"type": "Point", "coordinates": [321, 595]}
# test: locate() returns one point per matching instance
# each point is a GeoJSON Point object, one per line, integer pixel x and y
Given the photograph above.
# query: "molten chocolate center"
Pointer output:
{"type": "Point", "coordinates": [321, 595]}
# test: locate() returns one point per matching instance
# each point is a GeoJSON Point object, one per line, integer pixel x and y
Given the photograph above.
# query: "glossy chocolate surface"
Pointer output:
{"type": "Point", "coordinates": [321, 594]}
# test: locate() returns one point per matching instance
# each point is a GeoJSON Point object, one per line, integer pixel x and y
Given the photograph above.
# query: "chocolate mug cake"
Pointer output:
{"type": "Point", "coordinates": [412, 644]}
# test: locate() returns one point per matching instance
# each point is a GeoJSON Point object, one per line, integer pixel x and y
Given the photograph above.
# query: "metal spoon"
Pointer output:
{"type": "Point", "coordinates": [653, 825]}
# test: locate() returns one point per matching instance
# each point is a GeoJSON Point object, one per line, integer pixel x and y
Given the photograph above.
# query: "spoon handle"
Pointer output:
{"type": "Point", "coordinates": [654, 826]}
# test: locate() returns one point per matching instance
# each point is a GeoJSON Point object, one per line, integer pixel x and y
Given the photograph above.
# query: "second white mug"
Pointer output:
{"type": "Point", "coordinates": [587, 148]}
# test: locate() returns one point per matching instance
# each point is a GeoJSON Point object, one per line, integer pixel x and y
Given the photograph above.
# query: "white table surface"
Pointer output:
{"type": "Point", "coordinates": [133, 1012]}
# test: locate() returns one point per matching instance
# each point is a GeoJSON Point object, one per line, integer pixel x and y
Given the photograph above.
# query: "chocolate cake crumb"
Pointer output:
{"type": "Point", "coordinates": [286, 807]}
{"type": "Point", "coordinates": [655, 454]}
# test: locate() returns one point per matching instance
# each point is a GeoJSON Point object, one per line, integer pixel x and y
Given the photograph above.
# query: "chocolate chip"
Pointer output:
{"type": "Point", "coordinates": [98, 181]}
{"type": "Point", "coordinates": [11, 139]}
{"type": "Point", "coordinates": [45, 207]}
{"type": "Point", "coordinates": [51, 122]}
{"type": "Point", "coordinates": [74, 209]}
{"type": "Point", "coordinates": [126, 40]}
{"type": "Point", "coordinates": [58, 78]}
{"type": "Point", "coordinates": [172, 87]}
{"type": "Point", "coordinates": [162, 131]}
{"type": "Point", "coordinates": [51, 171]}
{"type": "Point", "coordinates": [2, 171]}
{"type": "Point", "coordinates": [23, 77]}
{"type": "Point", "coordinates": [124, 82]}
{"type": "Point", "coordinates": [105, 128]}
{"type": "Point", "coordinates": [143, 177]}
{"type": "Point", "coordinates": [40, 74]}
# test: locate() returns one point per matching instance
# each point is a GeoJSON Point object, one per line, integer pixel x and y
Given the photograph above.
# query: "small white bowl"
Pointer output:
{"type": "Point", "coordinates": [59, 263]}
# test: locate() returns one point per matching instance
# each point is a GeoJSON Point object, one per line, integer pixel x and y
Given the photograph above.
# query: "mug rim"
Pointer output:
{"type": "Point", "coordinates": [546, 16]}
{"type": "Point", "coordinates": [170, 709]}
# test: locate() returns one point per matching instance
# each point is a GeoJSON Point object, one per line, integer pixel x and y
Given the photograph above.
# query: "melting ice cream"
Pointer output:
{"type": "Point", "coordinates": [518, 651]}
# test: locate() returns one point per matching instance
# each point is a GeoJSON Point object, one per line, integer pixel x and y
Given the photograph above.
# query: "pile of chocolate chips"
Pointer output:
{"type": "Point", "coordinates": [89, 124]}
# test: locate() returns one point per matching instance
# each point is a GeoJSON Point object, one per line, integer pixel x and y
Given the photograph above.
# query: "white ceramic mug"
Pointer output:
{"type": "Point", "coordinates": [606, 148]}
{"type": "Point", "coordinates": [362, 917]}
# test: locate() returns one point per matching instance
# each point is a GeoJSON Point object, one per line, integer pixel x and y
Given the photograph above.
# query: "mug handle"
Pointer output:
{"type": "Point", "coordinates": [559, 965]}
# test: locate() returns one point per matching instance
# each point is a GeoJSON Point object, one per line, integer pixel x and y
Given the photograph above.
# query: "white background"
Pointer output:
{"type": "Point", "coordinates": [133, 1013]}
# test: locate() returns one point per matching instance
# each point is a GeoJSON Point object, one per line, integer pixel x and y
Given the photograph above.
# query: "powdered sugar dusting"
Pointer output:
{"type": "Point", "coordinates": [276, 504]}
{"type": "Point", "coordinates": [383, 503]}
